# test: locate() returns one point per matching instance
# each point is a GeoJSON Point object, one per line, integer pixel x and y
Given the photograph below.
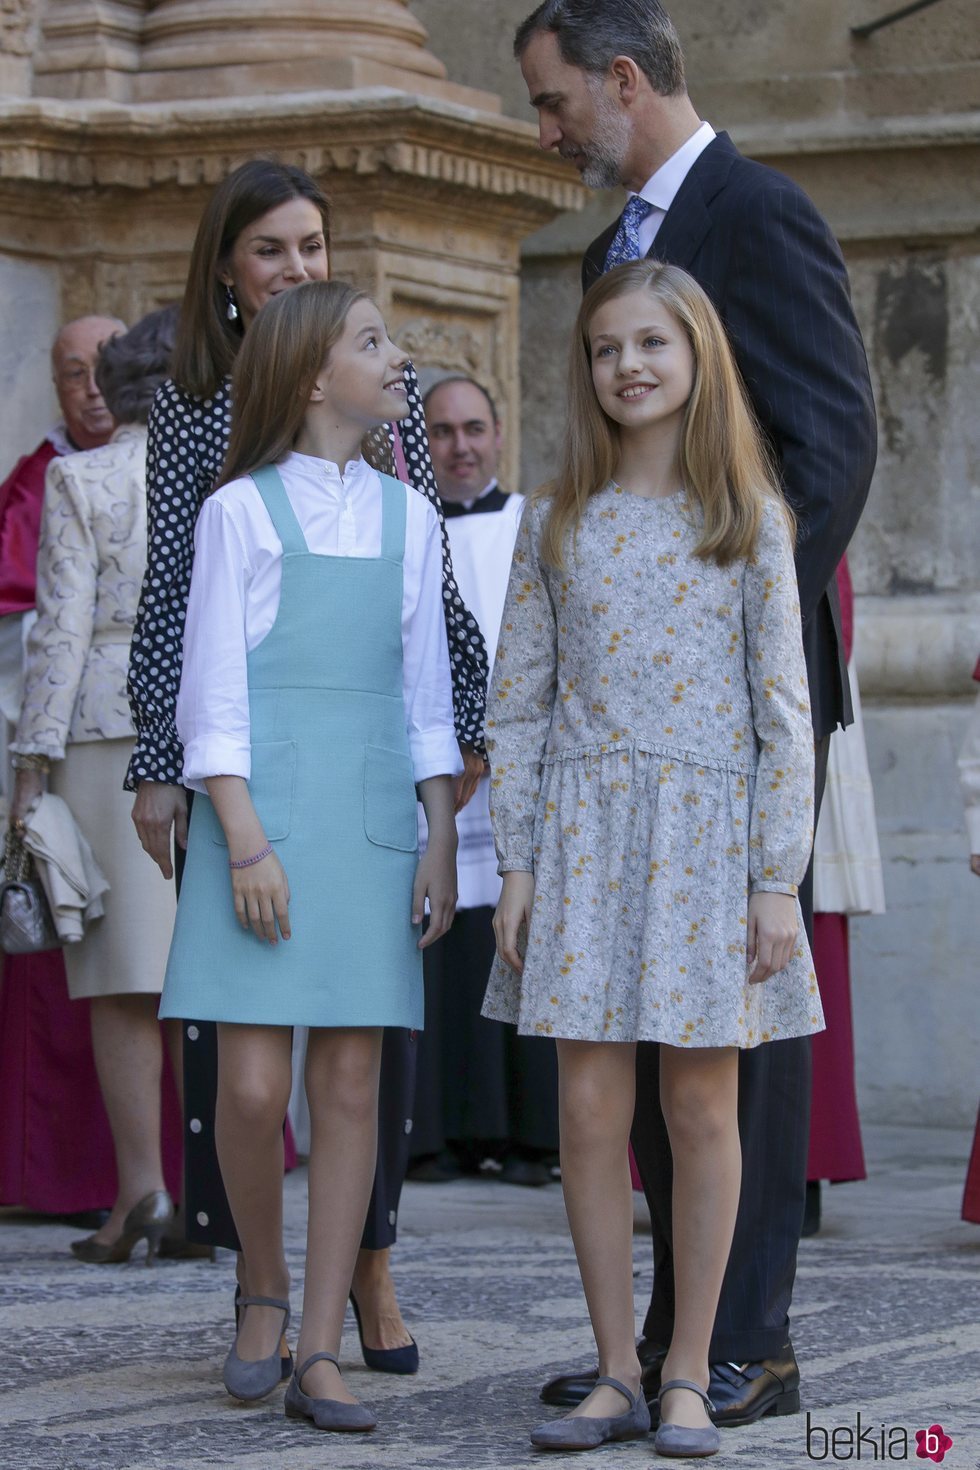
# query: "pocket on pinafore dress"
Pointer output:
{"type": "Point", "coordinates": [271, 789]}
{"type": "Point", "coordinates": [390, 804]}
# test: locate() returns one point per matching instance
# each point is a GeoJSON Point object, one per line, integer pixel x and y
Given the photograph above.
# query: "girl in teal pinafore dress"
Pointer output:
{"type": "Point", "coordinates": [315, 710]}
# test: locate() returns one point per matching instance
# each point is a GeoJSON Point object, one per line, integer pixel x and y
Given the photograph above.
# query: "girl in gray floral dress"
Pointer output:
{"type": "Point", "coordinates": [651, 793]}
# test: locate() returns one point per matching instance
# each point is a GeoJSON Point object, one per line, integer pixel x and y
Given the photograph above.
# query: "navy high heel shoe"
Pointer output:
{"type": "Point", "coordinates": [387, 1360]}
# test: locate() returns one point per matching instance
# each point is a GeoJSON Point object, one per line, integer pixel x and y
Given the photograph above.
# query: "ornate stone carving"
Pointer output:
{"type": "Point", "coordinates": [18, 21]}
{"type": "Point", "coordinates": [397, 141]}
{"type": "Point", "coordinates": [444, 343]}
{"type": "Point", "coordinates": [18, 37]}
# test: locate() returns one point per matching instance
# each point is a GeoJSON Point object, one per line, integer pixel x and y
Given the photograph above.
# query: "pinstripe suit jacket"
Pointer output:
{"type": "Point", "coordinates": [767, 259]}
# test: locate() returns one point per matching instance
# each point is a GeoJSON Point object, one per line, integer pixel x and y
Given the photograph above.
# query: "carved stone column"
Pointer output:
{"type": "Point", "coordinates": [229, 47]}
{"type": "Point", "coordinates": [89, 48]}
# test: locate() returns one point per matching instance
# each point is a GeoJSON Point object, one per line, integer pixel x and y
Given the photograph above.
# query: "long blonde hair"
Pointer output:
{"type": "Point", "coordinates": [276, 368]}
{"type": "Point", "coordinates": [725, 465]}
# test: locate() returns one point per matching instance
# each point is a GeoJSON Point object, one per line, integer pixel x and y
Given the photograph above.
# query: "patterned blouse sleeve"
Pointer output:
{"type": "Point", "coordinates": [467, 650]}
{"type": "Point", "coordinates": [67, 580]}
{"type": "Point", "coordinates": [521, 700]}
{"type": "Point", "coordinates": [173, 496]}
{"type": "Point", "coordinates": [781, 835]}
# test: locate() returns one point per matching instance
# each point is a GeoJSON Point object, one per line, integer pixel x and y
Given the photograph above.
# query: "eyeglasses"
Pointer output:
{"type": "Point", "coordinates": [75, 377]}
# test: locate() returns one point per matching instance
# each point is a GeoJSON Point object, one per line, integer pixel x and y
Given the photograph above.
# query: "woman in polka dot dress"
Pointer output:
{"type": "Point", "coordinates": [264, 230]}
{"type": "Point", "coordinates": [651, 760]}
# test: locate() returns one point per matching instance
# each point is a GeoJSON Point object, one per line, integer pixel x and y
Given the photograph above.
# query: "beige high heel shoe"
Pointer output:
{"type": "Point", "coordinates": [148, 1220]}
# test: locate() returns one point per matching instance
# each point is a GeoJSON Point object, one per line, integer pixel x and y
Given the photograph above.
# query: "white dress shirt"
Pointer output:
{"type": "Point", "coordinates": [469, 504]}
{"type": "Point", "coordinates": [661, 189]}
{"type": "Point", "coordinates": [234, 599]}
{"type": "Point", "coordinates": [483, 549]}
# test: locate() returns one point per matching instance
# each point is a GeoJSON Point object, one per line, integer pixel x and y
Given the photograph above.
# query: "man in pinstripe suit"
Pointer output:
{"type": "Point", "coordinates": [607, 80]}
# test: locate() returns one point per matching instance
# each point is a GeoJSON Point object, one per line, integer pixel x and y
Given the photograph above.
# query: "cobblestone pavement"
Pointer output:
{"type": "Point", "coordinates": [118, 1368]}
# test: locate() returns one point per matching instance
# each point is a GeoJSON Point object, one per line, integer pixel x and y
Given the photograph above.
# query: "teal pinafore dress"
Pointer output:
{"type": "Point", "coordinates": [333, 784]}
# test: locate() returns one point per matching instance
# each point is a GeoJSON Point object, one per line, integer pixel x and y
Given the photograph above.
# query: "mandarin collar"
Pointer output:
{"type": "Point", "coordinates": [325, 472]}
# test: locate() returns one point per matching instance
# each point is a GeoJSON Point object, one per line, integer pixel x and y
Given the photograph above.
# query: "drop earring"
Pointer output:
{"type": "Point", "coordinates": [232, 311]}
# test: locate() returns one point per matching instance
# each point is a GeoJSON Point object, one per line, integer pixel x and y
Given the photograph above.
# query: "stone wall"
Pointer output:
{"type": "Point", "coordinates": [884, 134]}
{"type": "Point", "coordinates": [30, 294]}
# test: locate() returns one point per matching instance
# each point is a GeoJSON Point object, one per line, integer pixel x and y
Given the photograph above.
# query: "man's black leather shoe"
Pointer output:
{"type": "Point", "coordinates": [569, 1389]}
{"type": "Point", "coordinates": [745, 1392]}
{"type": "Point", "coordinates": [741, 1392]}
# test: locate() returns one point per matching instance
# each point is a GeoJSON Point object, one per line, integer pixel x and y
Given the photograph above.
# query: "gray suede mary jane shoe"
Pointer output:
{"type": "Point", "coordinates": [251, 1381]}
{"type": "Point", "coordinates": [325, 1413]}
{"type": "Point", "coordinates": [676, 1442]}
{"type": "Point", "coordinates": [581, 1433]}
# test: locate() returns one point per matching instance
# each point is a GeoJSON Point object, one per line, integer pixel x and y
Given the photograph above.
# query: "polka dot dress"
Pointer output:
{"type": "Point", "coordinates": [186, 446]}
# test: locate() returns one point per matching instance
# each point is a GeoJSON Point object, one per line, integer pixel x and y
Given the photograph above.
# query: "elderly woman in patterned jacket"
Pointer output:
{"type": "Point", "coordinates": [264, 230]}
{"type": "Point", "coordinates": [75, 723]}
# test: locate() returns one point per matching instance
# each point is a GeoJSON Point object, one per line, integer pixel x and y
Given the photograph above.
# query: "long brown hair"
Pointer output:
{"type": "Point", "coordinates": [725, 465]}
{"type": "Point", "coordinates": [276, 369]}
{"type": "Point", "coordinates": [207, 342]}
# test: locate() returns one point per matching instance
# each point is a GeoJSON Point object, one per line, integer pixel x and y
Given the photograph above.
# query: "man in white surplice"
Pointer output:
{"type": "Point", "coordinates": [483, 1092]}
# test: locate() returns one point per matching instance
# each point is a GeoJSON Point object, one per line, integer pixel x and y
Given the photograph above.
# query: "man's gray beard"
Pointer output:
{"type": "Point", "coordinates": [607, 148]}
{"type": "Point", "coordinates": [601, 172]}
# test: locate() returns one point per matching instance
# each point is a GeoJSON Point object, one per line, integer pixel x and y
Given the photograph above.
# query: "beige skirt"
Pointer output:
{"type": "Point", "coordinates": [124, 952]}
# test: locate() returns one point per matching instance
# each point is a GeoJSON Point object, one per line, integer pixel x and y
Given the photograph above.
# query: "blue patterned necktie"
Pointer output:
{"type": "Point", "coordinates": [626, 243]}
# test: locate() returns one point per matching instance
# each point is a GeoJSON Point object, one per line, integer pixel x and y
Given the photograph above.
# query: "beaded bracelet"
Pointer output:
{"type": "Point", "coordinates": [35, 762]}
{"type": "Point", "coordinates": [250, 862]}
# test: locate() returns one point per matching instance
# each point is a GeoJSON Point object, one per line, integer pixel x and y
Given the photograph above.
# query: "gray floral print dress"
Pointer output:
{"type": "Point", "coordinates": [651, 763]}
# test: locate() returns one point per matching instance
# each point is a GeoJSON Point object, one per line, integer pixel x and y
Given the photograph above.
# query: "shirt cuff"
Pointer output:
{"type": "Point", "coordinates": [51, 752]}
{"type": "Point", "coordinates": [435, 753]}
{"type": "Point", "coordinates": [769, 885]}
{"type": "Point", "coordinates": [157, 754]}
{"type": "Point", "coordinates": [215, 755]}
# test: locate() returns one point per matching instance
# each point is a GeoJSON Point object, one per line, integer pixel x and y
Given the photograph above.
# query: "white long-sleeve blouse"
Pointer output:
{"type": "Point", "coordinates": [234, 599]}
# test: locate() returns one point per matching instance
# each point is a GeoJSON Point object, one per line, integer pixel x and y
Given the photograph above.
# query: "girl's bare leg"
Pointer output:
{"type": "Point", "coordinates": [254, 1074]}
{"type": "Point", "coordinates": [596, 1086]}
{"type": "Point", "coordinates": [699, 1095]}
{"type": "Point", "coordinates": [342, 1071]}
{"type": "Point", "coordinates": [128, 1058]}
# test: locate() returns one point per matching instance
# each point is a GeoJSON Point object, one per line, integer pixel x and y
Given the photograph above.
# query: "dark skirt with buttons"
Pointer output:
{"type": "Point", "coordinates": [205, 1203]}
